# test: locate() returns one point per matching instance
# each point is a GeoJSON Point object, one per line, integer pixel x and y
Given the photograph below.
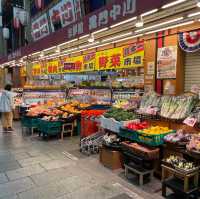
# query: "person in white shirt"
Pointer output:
{"type": "Point", "coordinates": [6, 108]}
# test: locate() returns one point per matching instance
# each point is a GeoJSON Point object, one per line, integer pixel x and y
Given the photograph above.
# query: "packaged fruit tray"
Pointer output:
{"type": "Point", "coordinates": [152, 139]}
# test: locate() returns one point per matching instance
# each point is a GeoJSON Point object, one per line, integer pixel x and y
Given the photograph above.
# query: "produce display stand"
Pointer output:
{"type": "Point", "coordinates": [180, 182]}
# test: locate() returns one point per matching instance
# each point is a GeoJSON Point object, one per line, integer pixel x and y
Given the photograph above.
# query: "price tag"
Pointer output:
{"type": "Point", "coordinates": [190, 121]}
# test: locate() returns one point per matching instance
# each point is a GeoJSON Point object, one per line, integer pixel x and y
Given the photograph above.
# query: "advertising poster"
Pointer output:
{"type": "Point", "coordinates": [167, 60]}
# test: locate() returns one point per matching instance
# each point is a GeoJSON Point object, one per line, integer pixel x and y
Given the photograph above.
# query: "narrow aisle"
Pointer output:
{"type": "Point", "coordinates": [31, 168]}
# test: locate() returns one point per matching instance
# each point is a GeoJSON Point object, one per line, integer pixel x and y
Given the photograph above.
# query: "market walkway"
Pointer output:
{"type": "Point", "coordinates": [34, 169]}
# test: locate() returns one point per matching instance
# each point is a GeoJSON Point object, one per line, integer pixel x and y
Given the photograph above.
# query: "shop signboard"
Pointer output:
{"type": "Point", "coordinates": [166, 62]}
{"type": "Point", "coordinates": [89, 62]}
{"type": "Point", "coordinates": [40, 27]}
{"type": "Point", "coordinates": [73, 65]}
{"type": "Point", "coordinates": [52, 67]}
{"type": "Point", "coordinates": [62, 14]}
{"type": "Point", "coordinates": [36, 69]}
{"type": "Point", "coordinates": [122, 57]}
{"type": "Point", "coordinates": [108, 15]}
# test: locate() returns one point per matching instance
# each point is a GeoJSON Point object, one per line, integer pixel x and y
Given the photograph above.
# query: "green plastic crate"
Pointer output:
{"type": "Point", "coordinates": [50, 127]}
{"type": "Point", "coordinates": [128, 134]}
{"type": "Point", "coordinates": [29, 122]}
{"type": "Point", "coordinates": [151, 140]}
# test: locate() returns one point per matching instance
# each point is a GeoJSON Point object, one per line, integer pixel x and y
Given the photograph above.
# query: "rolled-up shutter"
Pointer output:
{"type": "Point", "coordinates": [192, 70]}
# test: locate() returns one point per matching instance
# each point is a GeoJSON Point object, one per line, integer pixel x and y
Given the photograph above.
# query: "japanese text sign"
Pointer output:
{"type": "Point", "coordinates": [89, 62]}
{"type": "Point", "coordinates": [40, 27]}
{"type": "Point", "coordinates": [122, 57]}
{"type": "Point", "coordinates": [62, 14]}
{"type": "Point", "coordinates": [73, 65]}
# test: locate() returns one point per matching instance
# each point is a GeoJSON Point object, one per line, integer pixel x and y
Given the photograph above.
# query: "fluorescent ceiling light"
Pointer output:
{"type": "Point", "coordinates": [99, 46]}
{"type": "Point", "coordinates": [101, 30]}
{"type": "Point", "coordinates": [35, 53]}
{"type": "Point", "coordinates": [87, 45]}
{"type": "Point", "coordinates": [170, 27]}
{"type": "Point", "coordinates": [159, 24]}
{"type": "Point", "coordinates": [173, 3]}
{"type": "Point", "coordinates": [73, 40]}
{"type": "Point", "coordinates": [194, 14]}
{"type": "Point", "coordinates": [140, 22]}
{"type": "Point", "coordinates": [149, 12]}
{"type": "Point", "coordinates": [117, 37]}
{"type": "Point", "coordinates": [123, 22]}
{"type": "Point", "coordinates": [50, 48]}
{"type": "Point", "coordinates": [84, 36]}
{"type": "Point", "coordinates": [128, 38]}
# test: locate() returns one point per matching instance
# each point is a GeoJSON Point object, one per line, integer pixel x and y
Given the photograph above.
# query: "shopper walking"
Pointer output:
{"type": "Point", "coordinates": [6, 108]}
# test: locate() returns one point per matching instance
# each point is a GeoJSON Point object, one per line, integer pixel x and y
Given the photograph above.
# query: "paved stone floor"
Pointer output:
{"type": "Point", "coordinates": [31, 168]}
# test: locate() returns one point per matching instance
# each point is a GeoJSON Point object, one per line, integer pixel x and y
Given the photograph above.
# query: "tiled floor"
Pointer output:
{"type": "Point", "coordinates": [31, 168]}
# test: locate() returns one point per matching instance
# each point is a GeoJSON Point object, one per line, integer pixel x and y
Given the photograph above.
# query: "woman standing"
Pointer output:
{"type": "Point", "coordinates": [6, 108]}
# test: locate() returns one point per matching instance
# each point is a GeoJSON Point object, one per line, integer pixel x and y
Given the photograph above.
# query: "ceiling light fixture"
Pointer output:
{"type": "Point", "coordinates": [194, 14]}
{"type": "Point", "coordinates": [123, 22]}
{"type": "Point", "coordinates": [84, 36]}
{"type": "Point", "coordinates": [139, 22]}
{"type": "Point", "coordinates": [198, 3]}
{"type": "Point", "coordinates": [170, 27]}
{"type": "Point", "coordinates": [73, 40]}
{"type": "Point", "coordinates": [173, 4]}
{"type": "Point", "coordinates": [149, 12]}
{"type": "Point", "coordinates": [159, 24]}
{"type": "Point", "coordinates": [101, 30]}
{"type": "Point", "coordinates": [49, 48]}
{"type": "Point", "coordinates": [88, 45]}
{"type": "Point", "coordinates": [117, 37]}
{"type": "Point", "coordinates": [91, 38]}
{"type": "Point", "coordinates": [128, 38]}
{"type": "Point", "coordinates": [99, 46]}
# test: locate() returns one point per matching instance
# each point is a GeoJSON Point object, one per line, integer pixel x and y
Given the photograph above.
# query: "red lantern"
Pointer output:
{"type": "Point", "coordinates": [39, 4]}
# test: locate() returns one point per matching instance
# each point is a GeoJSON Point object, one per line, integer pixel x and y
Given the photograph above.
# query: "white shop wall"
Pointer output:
{"type": "Point", "coordinates": [192, 70]}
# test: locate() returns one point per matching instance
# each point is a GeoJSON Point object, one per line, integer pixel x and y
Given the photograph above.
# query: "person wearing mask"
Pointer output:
{"type": "Point", "coordinates": [6, 108]}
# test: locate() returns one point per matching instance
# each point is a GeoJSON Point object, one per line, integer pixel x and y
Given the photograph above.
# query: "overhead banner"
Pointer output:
{"type": "Point", "coordinates": [190, 41]}
{"type": "Point", "coordinates": [130, 56]}
{"type": "Point", "coordinates": [36, 69]}
{"type": "Point", "coordinates": [166, 62]}
{"type": "Point", "coordinates": [62, 14]}
{"type": "Point", "coordinates": [123, 57]}
{"type": "Point", "coordinates": [40, 27]}
{"type": "Point", "coordinates": [73, 65]}
{"type": "Point", "coordinates": [89, 62]}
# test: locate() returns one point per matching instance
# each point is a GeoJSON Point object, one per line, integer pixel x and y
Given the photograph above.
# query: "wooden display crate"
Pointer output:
{"type": "Point", "coordinates": [111, 159]}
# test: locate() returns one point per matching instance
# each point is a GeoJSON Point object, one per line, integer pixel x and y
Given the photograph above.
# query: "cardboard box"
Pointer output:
{"type": "Point", "coordinates": [111, 159]}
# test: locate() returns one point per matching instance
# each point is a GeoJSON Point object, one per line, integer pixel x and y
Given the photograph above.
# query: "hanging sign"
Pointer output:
{"type": "Point", "coordinates": [73, 65]}
{"type": "Point", "coordinates": [36, 69]}
{"type": "Point", "coordinates": [133, 55]}
{"type": "Point", "coordinates": [123, 57]}
{"type": "Point", "coordinates": [52, 67]}
{"type": "Point", "coordinates": [40, 27]}
{"type": "Point", "coordinates": [62, 14]}
{"type": "Point", "coordinates": [89, 62]}
{"type": "Point", "coordinates": [166, 62]}
{"type": "Point", "coordinates": [190, 41]}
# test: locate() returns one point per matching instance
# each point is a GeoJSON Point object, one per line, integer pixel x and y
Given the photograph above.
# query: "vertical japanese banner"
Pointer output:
{"type": "Point", "coordinates": [73, 65]}
{"type": "Point", "coordinates": [40, 27]}
{"type": "Point", "coordinates": [89, 62]}
{"type": "Point", "coordinates": [109, 59]}
{"type": "Point", "coordinates": [62, 14]}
